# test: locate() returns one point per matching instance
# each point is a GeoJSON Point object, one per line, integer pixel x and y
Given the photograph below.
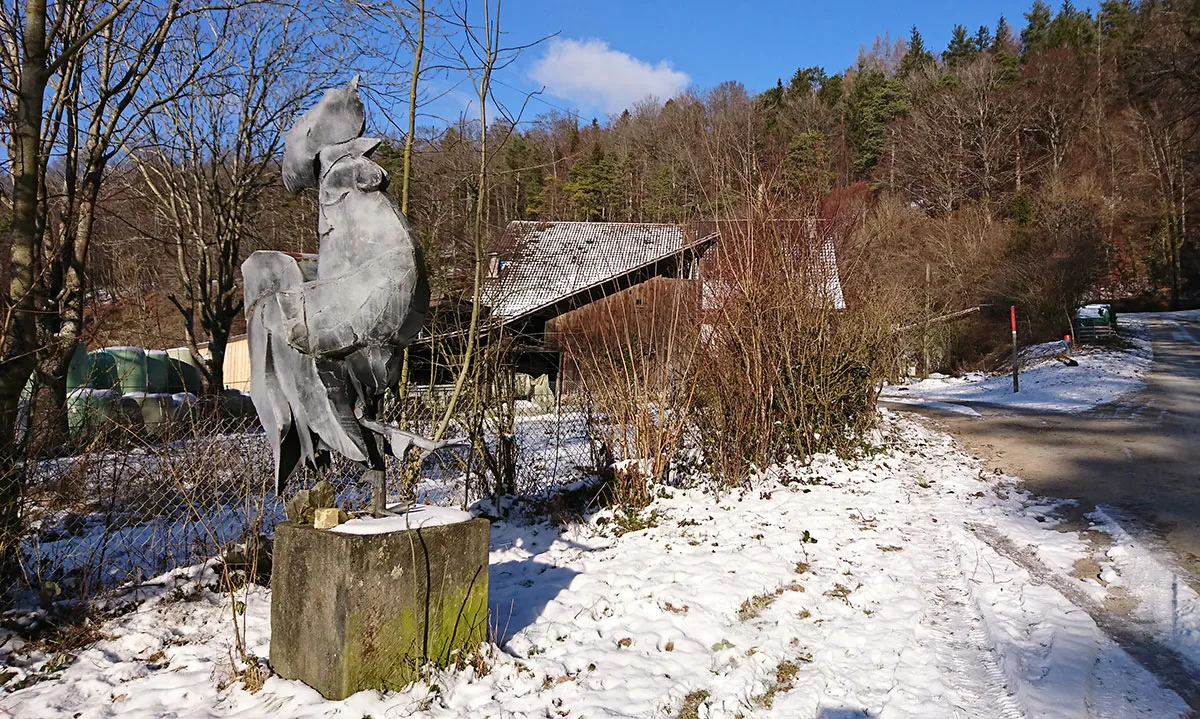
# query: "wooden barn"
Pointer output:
{"type": "Point", "coordinates": [551, 282]}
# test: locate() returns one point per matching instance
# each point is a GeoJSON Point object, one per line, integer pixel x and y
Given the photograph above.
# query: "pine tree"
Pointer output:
{"type": "Point", "coordinates": [1037, 24]}
{"type": "Point", "coordinates": [831, 90]}
{"type": "Point", "coordinates": [873, 102]}
{"type": "Point", "coordinates": [1004, 41]}
{"type": "Point", "coordinates": [593, 185]}
{"type": "Point", "coordinates": [773, 97]}
{"type": "Point", "coordinates": [1071, 28]}
{"type": "Point", "coordinates": [770, 102]}
{"type": "Point", "coordinates": [521, 164]}
{"type": "Point", "coordinates": [806, 80]}
{"type": "Point", "coordinates": [806, 166]}
{"type": "Point", "coordinates": [1116, 17]}
{"type": "Point", "coordinates": [983, 38]}
{"type": "Point", "coordinates": [1004, 49]}
{"type": "Point", "coordinates": [917, 55]}
{"type": "Point", "coordinates": [961, 49]}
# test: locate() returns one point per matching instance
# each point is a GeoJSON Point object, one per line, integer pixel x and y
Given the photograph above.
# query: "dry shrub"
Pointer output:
{"type": "Point", "coordinates": [782, 369]}
{"type": "Point", "coordinates": [1042, 254]}
{"type": "Point", "coordinates": [639, 375]}
{"type": "Point", "coordinates": [763, 365]}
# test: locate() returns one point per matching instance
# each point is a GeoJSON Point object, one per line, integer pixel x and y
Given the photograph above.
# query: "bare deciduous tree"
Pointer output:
{"type": "Point", "coordinates": [97, 106]}
{"type": "Point", "coordinates": [38, 50]}
{"type": "Point", "coordinates": [209, 156]}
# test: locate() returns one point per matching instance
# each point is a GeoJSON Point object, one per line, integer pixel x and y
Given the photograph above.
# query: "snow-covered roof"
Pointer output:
{"type": "Point", "coordinates": [824, 276]}
{"type": "Point", "coordinates": [827, 265]}
{"type": "Point", "coordinates": [541, 263]}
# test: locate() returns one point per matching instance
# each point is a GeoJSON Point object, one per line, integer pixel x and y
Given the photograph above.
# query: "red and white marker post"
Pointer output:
{"type": "Point", "coordinates": [1012, 313]}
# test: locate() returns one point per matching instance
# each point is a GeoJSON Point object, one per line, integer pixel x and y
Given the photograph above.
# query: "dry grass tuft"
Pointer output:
{"type": "Point", "coordinates": [756, 605]}
{"type": "Point", "coordinates": [691, 705]}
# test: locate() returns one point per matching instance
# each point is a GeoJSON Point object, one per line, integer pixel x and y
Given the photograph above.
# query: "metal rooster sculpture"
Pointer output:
{"type": "Point", "coordinates": [327, 332]}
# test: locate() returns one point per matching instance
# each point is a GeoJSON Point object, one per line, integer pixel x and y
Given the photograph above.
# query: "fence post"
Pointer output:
{"type": "Point", "coordinates": [1012, 313]}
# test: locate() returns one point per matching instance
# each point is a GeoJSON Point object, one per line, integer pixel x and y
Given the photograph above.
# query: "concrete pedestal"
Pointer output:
{"type": "Point", "coordinates": [366, 611]}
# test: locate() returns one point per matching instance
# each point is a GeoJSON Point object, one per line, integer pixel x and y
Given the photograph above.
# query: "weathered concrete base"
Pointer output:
{"type": "Point", "coordinates": [367, 611]}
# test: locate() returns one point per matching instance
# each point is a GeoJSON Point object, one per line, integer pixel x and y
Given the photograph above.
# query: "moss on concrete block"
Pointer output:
{"type": "Point", "coordinates": [366, 611]}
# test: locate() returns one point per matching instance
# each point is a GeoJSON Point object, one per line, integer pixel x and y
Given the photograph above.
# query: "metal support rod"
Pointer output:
{"type": "Point", "coordinates": [1012, 310]}
{"type": "Point", "coordinates": [378, 492]}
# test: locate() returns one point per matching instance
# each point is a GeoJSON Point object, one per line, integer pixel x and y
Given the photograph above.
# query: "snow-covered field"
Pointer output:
{"type": "Point", "coordinates": [832, 591]}
{"type": "Point", "coordinates": [1046, 383]}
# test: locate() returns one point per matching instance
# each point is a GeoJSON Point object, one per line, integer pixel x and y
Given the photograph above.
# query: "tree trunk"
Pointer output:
{"type": "Point", "coordinates": [418, 51]}
{"type": "Point", "coordinates": [74, 279]}
{"type": "Point", "coordinates": [48, 433]}
{"type": "Point", "coordinates": [18, 361]}
{"type": "Point", "coordinates": [216, 365]}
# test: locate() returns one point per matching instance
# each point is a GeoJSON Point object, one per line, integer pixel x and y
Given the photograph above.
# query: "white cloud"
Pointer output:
{"type": "Point", "coordinates": [594, 75]}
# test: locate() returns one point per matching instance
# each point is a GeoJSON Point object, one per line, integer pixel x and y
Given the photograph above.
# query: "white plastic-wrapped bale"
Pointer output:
{"type": "Point", "coordinates": [156, 410]}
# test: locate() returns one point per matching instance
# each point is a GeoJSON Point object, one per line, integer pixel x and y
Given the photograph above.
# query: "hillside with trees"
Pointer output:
{"type": "Point", "coordinates": [1039, 166]}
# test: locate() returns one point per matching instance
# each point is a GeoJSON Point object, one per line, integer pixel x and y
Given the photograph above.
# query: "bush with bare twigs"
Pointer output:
{"type": "Point", "coordinates": [758, 362]}
{"type": "Point", "coordinates": [639, 375]}
{"type": "Point", "coordinates": [783, 369]}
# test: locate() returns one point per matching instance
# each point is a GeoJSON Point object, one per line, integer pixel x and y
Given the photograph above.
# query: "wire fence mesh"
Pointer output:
{"type": "Point", "coordinates": [127, 508]}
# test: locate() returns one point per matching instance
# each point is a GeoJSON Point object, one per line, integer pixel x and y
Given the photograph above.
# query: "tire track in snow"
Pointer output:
{"type": "Point", "coordinates": [1171, 668]}
{"type": "Point", "coordinates": [966, 658]}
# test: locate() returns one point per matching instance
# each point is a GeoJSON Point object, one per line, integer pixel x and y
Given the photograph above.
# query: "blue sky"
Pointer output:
{"type": "Point", "coordinates": [606, 52]}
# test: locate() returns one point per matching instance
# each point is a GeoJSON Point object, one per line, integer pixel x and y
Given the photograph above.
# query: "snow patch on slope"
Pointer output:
{"type": "Point", "coordinates": [1166, 605]}
{"type": "Point", "coordinates": [1046, 383]}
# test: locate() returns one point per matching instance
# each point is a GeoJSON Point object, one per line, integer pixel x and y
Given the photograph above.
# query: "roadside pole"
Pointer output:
{"type": "Point", "coordinates": [1012, 313]}
{"type": "Point", "coordinates": [925, 329]}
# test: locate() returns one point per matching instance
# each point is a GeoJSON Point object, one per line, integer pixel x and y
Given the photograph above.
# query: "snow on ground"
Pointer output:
{"type": "Point", "coordinates": [1046, 383]}
{"type": "Point", "coordinates": [1165, 602]}
{"type": "Point", "coordinates": [831, 591]}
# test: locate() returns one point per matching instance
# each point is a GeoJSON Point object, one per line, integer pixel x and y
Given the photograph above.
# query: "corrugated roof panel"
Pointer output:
{"type": "Point", "coordinates": [544, 262]}
{"type": "Point", "coordinates": [541, 263]}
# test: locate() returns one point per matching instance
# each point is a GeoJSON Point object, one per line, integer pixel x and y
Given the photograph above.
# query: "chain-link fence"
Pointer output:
{"type": "Point", "coordinates": [127, 508]}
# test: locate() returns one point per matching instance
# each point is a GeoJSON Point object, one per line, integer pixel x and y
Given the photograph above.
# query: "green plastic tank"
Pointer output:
{"type": "Point", "coordinates": [184, 373]}
{"type": "Point", "coordinates": [158, 371]}
{"type": "Point", "coordinates": [131, 368]}
{"type": "Point", "coordinates": [79, 369]}
{"type": "Point", "coordinates": [90, 411]}
{"type": "Point", "coordinates": [102, 370]}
